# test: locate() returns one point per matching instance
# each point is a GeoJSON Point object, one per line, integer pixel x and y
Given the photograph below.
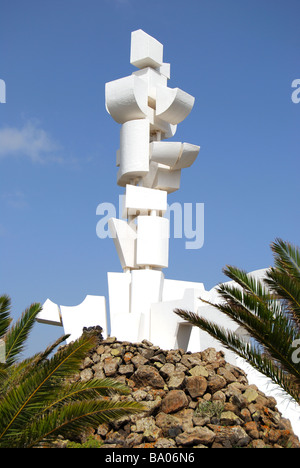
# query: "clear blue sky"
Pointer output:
{"type": "Point", "coordinates": [58, 144]}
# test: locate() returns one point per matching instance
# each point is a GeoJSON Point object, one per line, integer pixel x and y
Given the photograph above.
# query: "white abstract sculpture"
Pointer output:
{"type": "Point", "coordinates": [149, 167]}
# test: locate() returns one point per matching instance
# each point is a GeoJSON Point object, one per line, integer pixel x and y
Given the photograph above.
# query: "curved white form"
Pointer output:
{"type": "Point", "coordinates": [165, 152]}
{"type": "Point", "coordinates": [134, 151]}
{"type": "Point", "coordinates": [187, 157]}
{"type": "Point", "coordinates": [173, 105]}
{"type": "Point", "coordinates": [127, 99]}
{"type": "Point", "coordinates": [173, 154]}
{"type": "Point", "coordinates": [91, 312]}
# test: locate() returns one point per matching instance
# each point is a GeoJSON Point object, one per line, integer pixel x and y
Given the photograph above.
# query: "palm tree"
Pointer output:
{"type": "Point", "coordinates": [38, 399]}
{"type": "Point", "coordinates": [269, 310]}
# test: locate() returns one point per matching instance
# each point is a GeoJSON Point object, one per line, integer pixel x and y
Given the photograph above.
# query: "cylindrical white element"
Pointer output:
{"type": "Point", "coordinates": [127, 99]}
{"type": "Point", "coordinates": [152, 241]}
{"type": "Point", "coordinates": [173, 105]}
{"type": "Point", "coordinates": [134, 151]}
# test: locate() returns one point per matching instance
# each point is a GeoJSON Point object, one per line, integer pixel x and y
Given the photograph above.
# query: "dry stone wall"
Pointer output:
{"type": "Point", "coordinates": [191, 400]}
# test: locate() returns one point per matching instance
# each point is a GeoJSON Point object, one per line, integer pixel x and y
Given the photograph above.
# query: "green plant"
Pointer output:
{"type": "Point", "coordinates": [89, 443]}
{"type": "Point", "coordinates": [38, 402]}
{"type": "Point", "coordinates": [269, 311]}
{"type": "Point", "coordinates": [210, 409]}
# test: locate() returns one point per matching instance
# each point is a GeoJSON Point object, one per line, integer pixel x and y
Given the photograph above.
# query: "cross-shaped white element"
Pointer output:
{"type": "Point", "coordinates": [91, 312]}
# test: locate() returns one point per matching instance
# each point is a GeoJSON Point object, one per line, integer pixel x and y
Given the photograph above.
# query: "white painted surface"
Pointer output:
{"type": "Point", "coordinates": [50, 314]}
{"type": "Point", "coordinates": [145, 50]}
{"type": "Point", "coordinates": [152, 241]}
{"type": "Point", "coordinates": [91, 312]}
{"type": "Point", "coordinates": [143, 199]}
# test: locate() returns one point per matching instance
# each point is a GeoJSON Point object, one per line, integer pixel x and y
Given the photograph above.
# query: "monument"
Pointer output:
{"type": "Point", "coordinates": [141, 300]}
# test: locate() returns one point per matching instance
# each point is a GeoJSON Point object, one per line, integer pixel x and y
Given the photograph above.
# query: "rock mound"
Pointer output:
{"type": "Point", "coordinates": [192, 400]}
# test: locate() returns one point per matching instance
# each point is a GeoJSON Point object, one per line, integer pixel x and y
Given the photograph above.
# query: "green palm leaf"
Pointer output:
{"type": "Point", "coordinates": [73, 419]}
{"type": "Point", "coordinates": [5, 318]}
{"type": "Point", "coordinates": [18, 334]}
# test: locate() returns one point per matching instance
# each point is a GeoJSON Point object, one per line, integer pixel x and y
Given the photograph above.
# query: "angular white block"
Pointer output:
{"type": "Point", "coordinates": [119, 303]}
{"type": "Point", "coordinates": [153, 79]}
{"type": "Point", "coordinates": [146, 289]}
{"type": "Point", "coordinates": [50, 314]}
{"type": "Point", "coordinates": [126, 99]}
{"type": "Point", "coordinates": [158, 125]}
{"type": "Point", "coordinates": [124, 238]}
{"type": "Point", "coordinates": [168, 180]}
{"type": "Point", "coordinates": [173, 105]}
{"type": "Point", "coordinates": [161, 177]}
{"type": "Point", "coordinates": [166, 328]}
{"type": "Point", "coordinates": [140, 199]}
{"type": "Point", "coordinates": [145, 50]}
{"type": "Point", "coordinates": [152, 241]}
{"type": "Point", "coordinates": [91, 312]}
{"type": "Point", "coordinates": [165, 69]}
{"type": "Point", "coordinates": [134, 151]}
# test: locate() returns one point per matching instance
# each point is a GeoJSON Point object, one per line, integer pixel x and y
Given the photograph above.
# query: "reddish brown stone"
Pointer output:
{"type": "Point", "coordinates": [196, 385]}
{"type": "Point", "coordinates": [174, 401]}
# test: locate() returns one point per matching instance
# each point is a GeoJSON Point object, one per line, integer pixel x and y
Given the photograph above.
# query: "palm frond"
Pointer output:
{"type": "Point", "coordinates": [17, 335]}
{"type": "Point", "coordinates": [287, 289]}
{"type": "Point", "coordinates": [286, 258]}
{"type": "Point", "coordinates": [21, 370]}
{"type": "Point", "coordinates": [70, 420]}
{"type": "Point", "coordinates": [89, 390]}
{"type": "Point", "coordinates": [41, 386]}
{"type": "Point", "coordinates": [5, 318]}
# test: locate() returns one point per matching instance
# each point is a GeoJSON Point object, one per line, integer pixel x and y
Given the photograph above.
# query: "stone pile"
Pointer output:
{"type": "Point", "coordinates": [191, 400]}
